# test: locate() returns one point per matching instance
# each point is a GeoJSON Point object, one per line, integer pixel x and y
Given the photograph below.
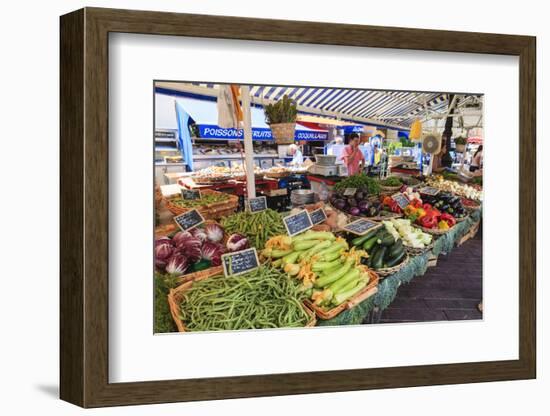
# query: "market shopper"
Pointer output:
{"type": "Point", "coordinates": [368, 154]}
{"type": "Point", "coordinates": [296, 153]}
{"type": "Point", "coordinates": [477, 160]}
{"type": "Point", "coordinates": [437, 165]}
{"type": "Point", "coordinates": [352, 156]}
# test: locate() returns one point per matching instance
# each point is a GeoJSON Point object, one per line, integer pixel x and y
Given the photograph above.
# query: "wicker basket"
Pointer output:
{"type": "Point", "coordinates": [211, 211]}
{"type": "Point", "coordinates": [461, 219]}
{"type": "Point", "coordinates": [391, 270]}
{"type": "Point", "coordinates": [158, 197]}
{"type": "Point", "coordinates": [435, 231]}
{"type": "Point", "coordinates": [175, 296]}
{"type": "Point", "coordinates": [278, 175]}
{"type": "Point", "coordinates": [392, 189]}
{"type": "Point", "coordinates": [283, 133]}
{"type": "Point", "coordinates": [414, 251]}
{"type": "Point", "coordinates": [364, 294]}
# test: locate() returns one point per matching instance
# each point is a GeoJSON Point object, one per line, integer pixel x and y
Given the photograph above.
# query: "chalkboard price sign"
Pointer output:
{"type": "Point", "coordinates": [257, 204]}
{"type": "Point", "coordinates": [190, 193]}
{"type": "Point", "coordinates": [401, 200]}
{"type": "Point", "coordinates": [297, 223]}
{"type": "Point", "coordinates": [428, 190]}
{"type": "Point", "coordinates": [189, 219]}
{"type": "Point", "coordinates": [361, 227]}
{"type": "Point", "coordinates": [240, 262]}
{"type": "Point", "coordinates": [350, 191]}
{"type": "Point", "coordinates": [318, 216]}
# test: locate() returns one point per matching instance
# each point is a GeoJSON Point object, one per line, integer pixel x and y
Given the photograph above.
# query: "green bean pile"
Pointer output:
{"type": "Point", "coordinates": [258, 227]}
{"type": "Point", "coordinates": [263, 298]}
{"type": "Point", "coordinates": [205, 199]}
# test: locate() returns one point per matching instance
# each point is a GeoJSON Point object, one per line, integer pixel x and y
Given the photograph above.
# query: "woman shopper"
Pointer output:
{"type": "Point", "coordinates": [477, 160]}
{"type": "Point", "coordinates": [353, 156]}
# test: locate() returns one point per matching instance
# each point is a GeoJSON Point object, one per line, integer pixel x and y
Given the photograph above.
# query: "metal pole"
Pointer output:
{"type": "Point", "coordinates": [248, 148]}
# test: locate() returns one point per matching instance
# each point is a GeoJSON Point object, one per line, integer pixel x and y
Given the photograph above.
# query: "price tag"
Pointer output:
{"type": "Point", "coordinates": [361, 227]}
{"type": "Point", "coordinates": [428, 190]}
{"type": "Point", "coordinates": [190, 193]}
{"type": "Point", "coordinates": [350, 191]}
{"type": "Point", "coordinates": [189, 219]}
{"type": "Point", "coordinates": [257, 204]}
{"type": "Point", "coordinates": [401, 200]}
{"type": "Point", "coordinates": [318, 216]}
{"type": "Point", "coordinates": [240, 262]}
{"type": "Point", "coordinates": [297, 223]}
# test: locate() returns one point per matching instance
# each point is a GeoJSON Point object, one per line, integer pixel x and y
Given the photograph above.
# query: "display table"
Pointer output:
{"type": "Point", "coordinates": [417, 266]}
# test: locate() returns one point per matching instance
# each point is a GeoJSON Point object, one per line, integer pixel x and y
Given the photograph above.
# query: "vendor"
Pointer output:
{"type": "Point", "coordinates": [336, 149]}
{"type": "Point", "coordinates": [296, 153]}
{"type": "Point", "coordinates": [437, 165]}
{"type": "Point", "coordinates": [353, 156]}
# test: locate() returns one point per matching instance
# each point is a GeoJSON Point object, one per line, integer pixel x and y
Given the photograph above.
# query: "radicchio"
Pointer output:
{"type": "Point", "coordinates": [236, 242]}
{"type": "Point", "coordinates": [214, 232]}
{"type": "Point", "coordinates": [177, 264]}
{"type": "Point", "coordinates": [199, 233]}
{"type": "Point", "coordinates": [213, 252]}
{"type": "Point", "coordinates": [191, 248]}
{"type": "Point", "coordinates": [180, 236]}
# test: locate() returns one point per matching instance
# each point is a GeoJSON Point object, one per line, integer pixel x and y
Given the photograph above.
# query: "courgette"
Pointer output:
{"type": "Point", "coordinates": [369, 244]}
{"type": "Point", "coordinates": [395, 260]}
{"type": "Point", "coordinates": [394, 250]}
{"type": "Point", "coordinates": [387, 240]}
{"type": "Point", "coordinates": [360, 240]}
{"type": "Point", "coordinates": [378, 258]}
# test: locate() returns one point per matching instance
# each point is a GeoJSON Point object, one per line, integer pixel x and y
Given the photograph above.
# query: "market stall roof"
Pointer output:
{"type": "Point", "coordinates": [381, 108]}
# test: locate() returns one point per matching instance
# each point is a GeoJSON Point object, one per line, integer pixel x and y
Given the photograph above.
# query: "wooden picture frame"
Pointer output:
{"type": "Point", "coordinates": [84, 207]}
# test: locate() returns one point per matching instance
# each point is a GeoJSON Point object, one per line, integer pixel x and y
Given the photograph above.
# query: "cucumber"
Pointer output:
{"type": "Point", "coordinates": [394, 249]}
{"type": "Point", "coordinates": [387, 240]}
{"type": "Point", "coordinates": [360, 240]}
{"type": "Point", "coordinates": [369, 244]}
{"type": "Point", "coordinates": [378, 258]}
{"type": "Point", "coordinates": [395, 260]}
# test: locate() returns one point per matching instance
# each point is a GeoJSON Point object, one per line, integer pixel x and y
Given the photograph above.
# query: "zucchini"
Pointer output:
{"type": "Point", "coordinates": [369, 244]}
{"type": "Point", "coordinates": [360, 240]}
{"type": "Point", "coordinates": [387, 240]}
{"type": "Point", "coordinates": [395, 260]}
{"type": "Point", "coordinates": [394, 249]}
{"type": "Point", "coordinates": [344, 280]}
{"type": "Point", "coordinates": [328, 278]}
{"type": "Point", "coordinates": [378, 257]}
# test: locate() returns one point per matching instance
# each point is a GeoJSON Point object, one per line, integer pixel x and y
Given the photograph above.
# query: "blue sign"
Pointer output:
{"type": "Point", "coordinates": [353, 129]}
{"type": "Point", "coordinates": [210, 131]}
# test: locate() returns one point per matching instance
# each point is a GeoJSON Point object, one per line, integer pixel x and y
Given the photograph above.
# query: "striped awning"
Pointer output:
{"type": "Point", "coordinates": [394, 109]}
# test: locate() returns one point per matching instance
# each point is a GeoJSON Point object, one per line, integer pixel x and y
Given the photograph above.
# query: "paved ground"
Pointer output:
{"type": "Point", "coordinates": [449, 291]}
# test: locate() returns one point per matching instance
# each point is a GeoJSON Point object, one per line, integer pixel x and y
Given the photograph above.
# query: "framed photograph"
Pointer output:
{"type": "Point", "coordinates": [171, 122]}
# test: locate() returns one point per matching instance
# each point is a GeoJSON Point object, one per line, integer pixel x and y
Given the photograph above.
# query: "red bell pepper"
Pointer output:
{"type": "Point", "coordinates": [448, 218]}
{"type": "Point", "coordinates": [417, 203]}
{"type": "Point", "coordinates": [427, 207]}
{"type": "Point", "coordinates": [428, 221]}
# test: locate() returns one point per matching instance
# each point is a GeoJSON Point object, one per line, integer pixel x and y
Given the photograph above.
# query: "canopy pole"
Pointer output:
{"type": "Point", "coordinates": [248, 147]}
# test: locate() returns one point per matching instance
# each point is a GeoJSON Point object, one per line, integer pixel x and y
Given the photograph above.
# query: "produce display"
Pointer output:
{"type": "Point", "coordinates": [335, 221]}
{"type": "Point", "coordinates": [457, 188]}
{"type": "Point", "coordinates": [194, 250]}
{"type": "Point", "coordinates": [359, 204]}
{"type": "Point", "coordinates": [257, 227]}
{"type": "Point", "coordinates": [391, 181]}
{"type": "Point", "coordinates": [384, 247]}
{"type": "Point", "coordinates": [428, 216]}
{"type": "Point", "coordinates": [361, 182]}
{"type": "Point", "coordinates": [205, 199]}
{"type": "Point", "coordinates": [446, 202]}
{"type": "Point", "coordinates": [412, 236]}
{"type": "Point", "coordinates": [330, 273]}
{"type": "Point", "coordinates": [263, 298]}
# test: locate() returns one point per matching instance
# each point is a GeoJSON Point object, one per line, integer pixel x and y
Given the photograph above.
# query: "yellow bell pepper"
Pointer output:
{"type": "Point", "coordinates": [443, 225]}
{"type": "Point", "coordinates": [420, 212]}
